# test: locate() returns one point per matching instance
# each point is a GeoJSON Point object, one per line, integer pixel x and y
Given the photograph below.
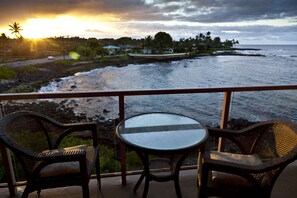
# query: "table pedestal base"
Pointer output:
{"type": "Point", "coordinates": [161, 174]}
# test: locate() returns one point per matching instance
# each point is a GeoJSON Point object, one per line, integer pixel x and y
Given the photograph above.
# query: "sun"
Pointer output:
{"type": "Point", "coordinates": [61, 26]}
{"type": "Point", "coordinates": [37, 28]}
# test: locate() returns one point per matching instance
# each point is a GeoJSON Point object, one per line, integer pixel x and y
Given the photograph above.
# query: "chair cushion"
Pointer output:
{"type": "Point", "coordinates": [63, 168]}
{"type": "Point", "coordinates": [236, 158]}
{"type": "Point", "coordinates": [226, 179]}
{"type": "Point", "coordinates": [222, 180]}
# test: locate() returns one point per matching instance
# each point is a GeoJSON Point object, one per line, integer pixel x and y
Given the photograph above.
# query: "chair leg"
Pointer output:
{"type": "Point", "coordinates": [25, 193]}
{"type": "Point", "coordinates": [146, 187]}
{"type": "Point", "coordinates": [203, 180]}
{"type": "Point", "coordinates": [177, 187]}
{"type": "Point", "coordinates": [38, 192]}
{"type": "Point", "coordinates": [139, 182]}
{"type": "Point", "coordinates": [85, 189]}
{"type": "Point", "coordinates": [98, 172]}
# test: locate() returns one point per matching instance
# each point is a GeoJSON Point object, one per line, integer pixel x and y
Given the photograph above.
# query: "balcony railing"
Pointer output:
{"type": "Point", "coordinates": [227, 91]}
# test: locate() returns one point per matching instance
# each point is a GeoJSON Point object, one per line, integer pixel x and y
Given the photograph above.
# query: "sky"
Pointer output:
{"type": "Point", "coordinates": [248, 21]}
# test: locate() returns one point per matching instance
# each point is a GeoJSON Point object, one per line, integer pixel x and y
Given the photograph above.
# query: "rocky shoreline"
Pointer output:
{"type": "Point", "coordinates": [27, 81]}
{"type": "Point", "coordinates": [30, 81]}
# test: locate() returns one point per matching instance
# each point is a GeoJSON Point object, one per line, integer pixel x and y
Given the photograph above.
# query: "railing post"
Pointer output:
{"type": "Point", "coordinates": [123, 147]}
{"type": "Point", "coordinates": [7, 162]}
{"type": "Point", "coordinates": [225, 116]}
{"type": "Point", "coordinates": [8, 170]}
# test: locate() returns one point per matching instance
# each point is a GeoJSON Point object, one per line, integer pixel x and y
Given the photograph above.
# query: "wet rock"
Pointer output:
{"type": "Point", "coordinates": [105, 111]}
{"type": "Point", "coordinates": [239, 123]}
{"type": "Point", "coordinates": [57, 80]}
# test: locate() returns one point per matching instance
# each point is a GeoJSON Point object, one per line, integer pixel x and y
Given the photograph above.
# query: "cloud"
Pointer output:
{"type": "Point", "coordinates": [207, 11]}
{"type": "Point", "coordinates": [94, 31]}
{"type": "Point", "coordinates": [146, 17]}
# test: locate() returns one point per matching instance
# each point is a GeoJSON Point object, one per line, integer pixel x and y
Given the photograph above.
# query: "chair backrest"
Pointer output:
{"type": "Point", "coordinates": [27, 134]}
{"type": "Point", "coordinates": [275, 140]}
{"type": "Point", "coordinates": [29, 131]}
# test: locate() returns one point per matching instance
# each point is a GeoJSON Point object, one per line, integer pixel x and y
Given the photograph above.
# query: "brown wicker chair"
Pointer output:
{"type": "Point", "coordinates": [35, 138]}
{"type": "Point", "coordinates": [266, 148]}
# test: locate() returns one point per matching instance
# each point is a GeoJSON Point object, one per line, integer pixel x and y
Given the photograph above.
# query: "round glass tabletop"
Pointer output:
{"type": "Point", "coordinates": [161, 132]}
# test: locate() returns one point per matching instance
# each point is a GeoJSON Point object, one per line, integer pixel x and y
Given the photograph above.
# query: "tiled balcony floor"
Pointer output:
{"type": "Point", "coordinates": [285, 187]}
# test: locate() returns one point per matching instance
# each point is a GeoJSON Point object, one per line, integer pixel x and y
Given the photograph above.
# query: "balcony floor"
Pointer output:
{"type": "Point", "coordinates": [111, 187]}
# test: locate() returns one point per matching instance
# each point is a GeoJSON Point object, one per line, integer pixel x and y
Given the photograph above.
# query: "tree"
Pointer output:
{"type": "Point", "coordinates": [208, 40]}
{"type": "Point", "coordinates": [162, 40]}
{"type": "Point", "coordinates": [228, 43]}
{"type": "Point", "coordinates": [86, 52]}
{"type": "Point", "coordinates": [3, 44]}
{"type": "Point", "coordinates": [16, 29]}
{"type": "Point", "coordinates": [217, 42]}
{"type": "Point", "coordinates": [124, 41]}
{"type": "Point", "coordinates": [93, 43]}
{"type": "Point", "coordinates": [3, 37]}
{"type": "Point", "coordinates": [3, 40]}
{"type": "Point", "coordinates": [148, 41]}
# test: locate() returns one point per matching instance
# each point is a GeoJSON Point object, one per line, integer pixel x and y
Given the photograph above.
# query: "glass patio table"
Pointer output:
{"type": "Point", "coordinates": [162, 141]}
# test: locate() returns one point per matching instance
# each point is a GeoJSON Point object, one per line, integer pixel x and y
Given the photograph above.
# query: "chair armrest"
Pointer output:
{"type": "Point", "coordinates": [75, 127]}
{"type": "Point", "coordinates": [257, 168]}
{"type": "Point", "coordinates": [235, 136]}
{"type": "Point", "coordinates": [70, 155]}
{"type": "Point", "coordinates": [230, 132]}
{"type": "Point", "coordinates": [216, 132]}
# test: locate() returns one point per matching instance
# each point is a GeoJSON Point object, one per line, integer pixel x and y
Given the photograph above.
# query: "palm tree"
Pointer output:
{"type": "Point", "coordinates": [3, 43]}
{"type": "Point", "coordinates": [148, 42]}
{"type": "Point", "coordinates": [15, 29]}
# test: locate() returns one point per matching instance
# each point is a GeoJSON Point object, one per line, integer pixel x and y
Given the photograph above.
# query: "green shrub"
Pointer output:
{"type": "Point", "coordinates": [29, 69]}
{"type": "Point", "coordinates": [133, 161]}
{"type": "Point", "coordinates": [65, 62]}
{"type": "Point", "coordinates": [107, 162]}
{"type": "Point", "coordinates": [21, 89]}
{"type": "Point", "coordinates": [124, 57]}
{"type": "Point", "coordinates": [6, 73]}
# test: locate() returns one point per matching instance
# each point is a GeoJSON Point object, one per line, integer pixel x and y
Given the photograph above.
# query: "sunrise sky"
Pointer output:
{"type": "Point", "coordinates": [249, 21]}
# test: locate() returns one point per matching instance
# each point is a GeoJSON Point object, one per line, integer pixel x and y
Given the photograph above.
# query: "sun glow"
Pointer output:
{"type": "Point", "coordinates": [62, 26]}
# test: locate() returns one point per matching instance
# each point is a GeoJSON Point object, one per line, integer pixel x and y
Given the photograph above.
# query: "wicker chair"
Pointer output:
{"type": "Point", "coordinates": [35, 138]}
{"type": "Point", "coordinates": [265, 149]}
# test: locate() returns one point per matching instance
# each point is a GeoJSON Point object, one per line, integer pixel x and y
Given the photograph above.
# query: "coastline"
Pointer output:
{"type": "Point", "coordinates": [27, 80]}
{"type": "Point", "coordinates": [47, 72]}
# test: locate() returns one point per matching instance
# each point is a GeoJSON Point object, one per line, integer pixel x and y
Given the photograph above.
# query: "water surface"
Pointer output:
{"type": "Point", "coordinates": [277, 67]}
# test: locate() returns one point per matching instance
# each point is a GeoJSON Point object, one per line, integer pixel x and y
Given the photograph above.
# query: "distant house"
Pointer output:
{"type": "Point", "coordinates": [147, 51]}
{"type": "Point", "coordinates": [127, 47]}
{"type": "Point", "coordinates": [112, 49]}
{"type": "Point", "coordinates": [168, 51]}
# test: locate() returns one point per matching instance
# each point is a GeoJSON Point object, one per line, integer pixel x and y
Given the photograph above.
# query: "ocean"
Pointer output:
{"type": "Point", "coordinates": [278, 66]}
